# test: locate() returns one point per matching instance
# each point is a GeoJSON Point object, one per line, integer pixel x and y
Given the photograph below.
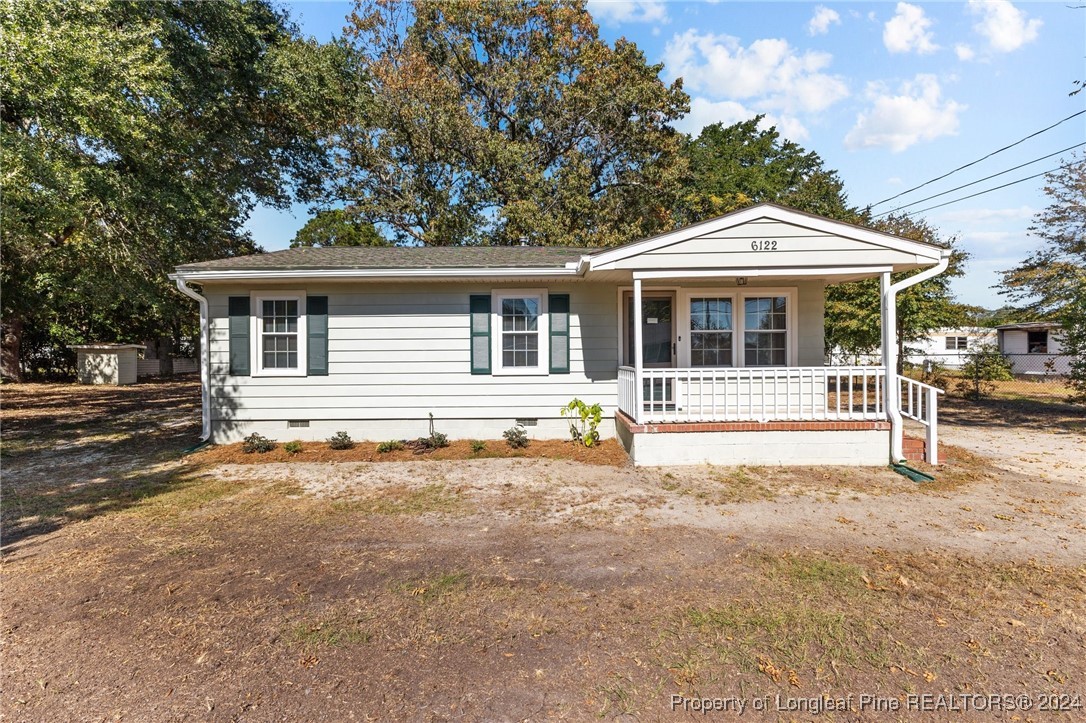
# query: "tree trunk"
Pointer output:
{"type": "Point", "coordinates": [11, 338]}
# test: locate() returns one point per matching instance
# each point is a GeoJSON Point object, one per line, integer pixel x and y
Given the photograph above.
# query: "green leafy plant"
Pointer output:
{"type": "Point", "coordinates": [340, 440]}
{"type": "Point", "coordinates": [516, 437]}
{"type": "Point", "coordinates": [583, 421]}
{"type": "Point", "coordinates": [983, 366]}
{"type": "Point", "coordinates": [292, 448]}
{"type": "Point", "coordinates": [257, 443]}
{"type": "Point", "coordinates": [390, 446]}
{"type": "Point", "coordinates": [477, 446]}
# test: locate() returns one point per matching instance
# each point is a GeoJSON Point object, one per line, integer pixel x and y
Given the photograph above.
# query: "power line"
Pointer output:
{"type": "Point", "coordinates": [981, 193]}
{"type": "Point", "coordinates": [973, 163]}
{"type": "Point", "coordinates": [980, 180]}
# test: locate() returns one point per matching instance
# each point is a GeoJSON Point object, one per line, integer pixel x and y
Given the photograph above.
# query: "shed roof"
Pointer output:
{"type": "Point", "coordinates": [1027, 325]}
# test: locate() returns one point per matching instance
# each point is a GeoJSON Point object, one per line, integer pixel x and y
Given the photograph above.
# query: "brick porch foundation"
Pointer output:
{"type": "Point", "coordinates": [808, 426]}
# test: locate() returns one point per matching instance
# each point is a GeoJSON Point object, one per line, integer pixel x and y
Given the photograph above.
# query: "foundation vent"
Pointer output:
{"type": "Point", "coordinates": [295, 423]}
{"type": "Point", "coordinates": [528, 422]}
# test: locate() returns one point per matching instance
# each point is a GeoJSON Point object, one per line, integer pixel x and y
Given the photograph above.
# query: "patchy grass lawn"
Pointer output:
{"type": "Point", "coordinates": [142, 584]}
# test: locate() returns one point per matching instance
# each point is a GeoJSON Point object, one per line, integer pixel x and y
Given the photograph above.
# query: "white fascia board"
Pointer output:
{"type": "Point", "coordinates": [930, 253]}
{"type": "Point", "coordinates": [816, 271]}
{"type": "Point", "coordinates": [388, 274]}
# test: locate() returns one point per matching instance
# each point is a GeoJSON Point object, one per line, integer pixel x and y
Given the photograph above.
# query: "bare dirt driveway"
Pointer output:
{"type": "Point", "coordinates": [1044, 441]}
{"type": "Point", "coordinates": [142, 584]}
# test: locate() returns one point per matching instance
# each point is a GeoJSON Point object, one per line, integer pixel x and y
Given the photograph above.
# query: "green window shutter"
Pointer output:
{"type": "Point", "coordinates": [480, 334]}
{"type": "Point", "coordinates": [316, 325]}
{"type": "Point", "coordinates": [558, 305]}
{"type": "Point", "coordinates": [239, 335]}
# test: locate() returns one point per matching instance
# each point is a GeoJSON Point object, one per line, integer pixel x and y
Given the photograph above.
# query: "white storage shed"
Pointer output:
{"type": "Point", "coordinates": [107, 363]}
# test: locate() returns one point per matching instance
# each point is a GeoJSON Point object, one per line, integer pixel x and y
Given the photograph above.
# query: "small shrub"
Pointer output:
{"type": "Point", "coordinates": [257, 443]}
{"type": "Point", "coordinates": [390, 446]}
{"type": "Point", "coordinates": [583, 421]}
{"type": "Point", "coordinates": [340, 440]}
{"type": "Point", "coordinates": [477, 446]}
{"type": "Point", "coordinates": [292, 448]}
{"type": "Point", "coordinates": [436, 440]}
{"type": "Point", "coordinates": [983, 366]}
{"type": "Point", "coordinates": [516, 437]}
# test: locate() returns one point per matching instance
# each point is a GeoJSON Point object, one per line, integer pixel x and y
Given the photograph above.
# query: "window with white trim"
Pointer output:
{"type": "Point", "coordinates": [711, 332]}
{"type": "Point", "coordinates": [765, 331]}
{"type": "Point", "coordinates": [279, 337]}
{"type": "Point", "coordinates": [957, 343]}
{"type": "Point", "coordinates": [521, 338]}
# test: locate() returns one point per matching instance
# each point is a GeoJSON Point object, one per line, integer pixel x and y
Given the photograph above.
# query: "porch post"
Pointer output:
{"type": "Point", "coordinates": [891, 386]}
{"type": "Point", "coordinates": [639, 391]}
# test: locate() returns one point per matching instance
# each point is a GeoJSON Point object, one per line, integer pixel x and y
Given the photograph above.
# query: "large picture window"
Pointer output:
{"type": "Point", "coordinates": [711, 330]}
{"type": "Point", "coordinates": [765, 336]}
{"type": "Point", "coordinates": [280, 335]}
{"type": "Point", "coordinates": [522, 335]}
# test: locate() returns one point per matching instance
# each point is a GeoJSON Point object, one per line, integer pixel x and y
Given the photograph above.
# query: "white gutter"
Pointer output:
{"type": "Point", "coordinates": [205, 356]}
{"type": "Point", "coordinates": [891, 392]}
{"type": "Point", "coordinates": [388, 274]}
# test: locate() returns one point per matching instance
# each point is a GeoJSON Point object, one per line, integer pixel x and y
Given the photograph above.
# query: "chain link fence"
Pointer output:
{"type": "Point", "coordinates": [995, 375]}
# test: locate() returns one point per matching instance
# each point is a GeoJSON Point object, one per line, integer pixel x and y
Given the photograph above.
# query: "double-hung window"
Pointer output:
{"type": "Point", "coordinates": [711, 332]}
{"type": "Point", "coordinates": [765, 335]}
{"type": "Point", "coordinates": [521, 339]}
{"type": "Point", "coordinates": [280, 335]}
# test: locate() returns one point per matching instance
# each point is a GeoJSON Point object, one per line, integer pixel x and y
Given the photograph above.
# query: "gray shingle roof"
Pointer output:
{"type": "Point", "coordinates": [398, 257]}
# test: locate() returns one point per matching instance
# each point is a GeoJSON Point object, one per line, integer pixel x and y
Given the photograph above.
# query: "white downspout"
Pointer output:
{"type": "Point", "coordinates": [891, 388]}
{"type": "Point", "coordinates": [205, 357]}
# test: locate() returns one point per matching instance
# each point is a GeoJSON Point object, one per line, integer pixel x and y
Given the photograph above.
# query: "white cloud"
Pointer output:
{"type": "Point", "coordinates": [628, 11]}
{"type": "Point", "coordinates": [916, 113]}
{"type": "Point", "coordinates": [909, 30]}
{"type": "Point", "coordinates": [964, 51]}
{"type": "Point", "coordinates": [705, 112]}
{"type": "Point", "coordinates": [769, 72]}
{"type": "Point", "coordinates": [823, 18]}
{"type": "Point", "coordinates": [1004, 26]}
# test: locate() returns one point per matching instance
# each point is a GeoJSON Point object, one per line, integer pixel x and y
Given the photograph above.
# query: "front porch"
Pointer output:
{"type": "Point", "coordinates": [721, 344]}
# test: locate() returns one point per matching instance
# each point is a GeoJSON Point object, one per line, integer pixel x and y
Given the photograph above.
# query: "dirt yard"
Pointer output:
{"type": "Point", "coordinates": [143, 584]}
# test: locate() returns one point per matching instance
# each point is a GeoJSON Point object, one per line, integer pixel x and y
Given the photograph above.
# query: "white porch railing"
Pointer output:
{"type": "Point", "coordinates": [763, 394]}
{"type": "Point", "coordinates": [919, 402]}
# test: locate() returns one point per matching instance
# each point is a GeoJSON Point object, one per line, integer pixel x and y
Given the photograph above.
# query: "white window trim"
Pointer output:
{"type": "Point", "coordinates": [738, 296]}
{"type": "Point", "coordinates": [256, 327]}
{"type": "Point", "coordinates": [496, 297]}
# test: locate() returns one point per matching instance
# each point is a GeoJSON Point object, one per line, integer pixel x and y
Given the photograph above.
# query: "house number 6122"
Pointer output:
{"type": "Point", "coordinates": [764, 245]}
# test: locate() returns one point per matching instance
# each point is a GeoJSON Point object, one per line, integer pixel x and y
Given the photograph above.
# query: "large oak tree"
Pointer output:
{"type": "Point", "coordinates": [502, 122]}
{"type": "Point", "coordinates": [138, 136]}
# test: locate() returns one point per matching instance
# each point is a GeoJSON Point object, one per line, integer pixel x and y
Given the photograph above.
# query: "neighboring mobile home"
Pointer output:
{"type": "Point", "coordinates": [1034, 348]}
{"type": "Point", "coordinates": [950, 346]}
{"type": "Point", "coordinates": [702, 344]}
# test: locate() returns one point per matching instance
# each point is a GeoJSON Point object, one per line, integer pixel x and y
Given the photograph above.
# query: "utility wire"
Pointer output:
{"type": "Point", "coordinates": [973, 163]}
{"type": "Point", "coordinates": [981, 193]}
{"type": "Point", "coordinates": [979, 180]}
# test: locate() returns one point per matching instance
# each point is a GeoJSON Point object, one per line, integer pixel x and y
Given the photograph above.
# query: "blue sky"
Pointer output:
{"type": "Point", "coordinates": [890, 94]}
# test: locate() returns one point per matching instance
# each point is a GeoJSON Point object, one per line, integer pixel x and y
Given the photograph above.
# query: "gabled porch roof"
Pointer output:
{"type": "Point", "coordinates": [765, 241]}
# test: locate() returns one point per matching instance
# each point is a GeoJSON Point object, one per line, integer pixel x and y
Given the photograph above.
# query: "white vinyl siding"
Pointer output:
{"type": "Point", "coordinates": [401, 351]}
{"type": "Point", "coordinates": [794, 247]}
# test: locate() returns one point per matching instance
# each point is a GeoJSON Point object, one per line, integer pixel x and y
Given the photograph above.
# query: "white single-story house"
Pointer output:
{"type": "Point", "coordinates": [950, 346]}
{"type": "Point", "coordinates": [703, 344]}
{"type": "Point", "coordinates": [1034, 348]}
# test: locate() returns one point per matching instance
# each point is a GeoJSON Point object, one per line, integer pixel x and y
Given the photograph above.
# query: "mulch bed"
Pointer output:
{"type": "Point", "coordinates": [607, 452]}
